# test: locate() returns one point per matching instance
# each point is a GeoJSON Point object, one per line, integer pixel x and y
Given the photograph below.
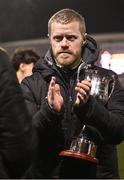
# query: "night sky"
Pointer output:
{"type": "Point", "coordinates": [27, 19]}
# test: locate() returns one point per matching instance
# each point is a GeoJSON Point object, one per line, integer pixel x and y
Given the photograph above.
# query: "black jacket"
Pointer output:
{"type": "Point", "coordinates": [56, 130]}
{"type": "Point", "coordinates": [16, 135]}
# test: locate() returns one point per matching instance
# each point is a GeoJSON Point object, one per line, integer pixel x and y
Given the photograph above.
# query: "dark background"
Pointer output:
{"type": "Point", "coordinates": [27, 19]}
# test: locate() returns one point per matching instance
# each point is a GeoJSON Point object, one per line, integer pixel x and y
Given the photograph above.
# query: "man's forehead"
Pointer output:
{"type": "Point", "coordinates": [72, 27]}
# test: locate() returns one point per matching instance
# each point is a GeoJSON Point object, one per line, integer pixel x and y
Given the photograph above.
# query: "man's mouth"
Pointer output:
{"type": "Point", "coordinates": [65, 52]}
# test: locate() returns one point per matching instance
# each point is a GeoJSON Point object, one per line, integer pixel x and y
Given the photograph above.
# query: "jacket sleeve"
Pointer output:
{"type": "Point", "coordinates": [16, 135]}
{"type": "Point", "coordinates": [45, 120]}
{"type": "Point", "coordinates": [109, 119]}
{"type": "Point", "coordinates": [43, 116]}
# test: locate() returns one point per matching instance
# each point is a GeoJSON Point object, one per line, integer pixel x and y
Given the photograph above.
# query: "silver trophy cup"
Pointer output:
{"type": "Point", "coordinates": [83, 147]}
{"type": "Point", "coordinates": [100, 84]}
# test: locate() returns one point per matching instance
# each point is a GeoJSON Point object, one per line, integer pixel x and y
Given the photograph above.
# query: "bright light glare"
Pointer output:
{"type": "Point", "coordinates": [114, 62]}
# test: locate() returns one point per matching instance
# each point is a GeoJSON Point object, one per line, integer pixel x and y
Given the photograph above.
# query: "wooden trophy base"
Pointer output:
{"type": "Point", "coordinates": [83, 156]}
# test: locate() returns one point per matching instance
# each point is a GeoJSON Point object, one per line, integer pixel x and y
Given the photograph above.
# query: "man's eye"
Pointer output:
{"type": "Point", "coordinates": [71, 38]}
{"type": "Point", "coordinates": [58, 38]}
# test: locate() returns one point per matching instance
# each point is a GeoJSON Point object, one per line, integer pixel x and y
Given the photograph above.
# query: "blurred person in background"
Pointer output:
{"type": "Point", "coordinates": [16, 134]}
{"type": "Point", "coordinates": [23, 61]}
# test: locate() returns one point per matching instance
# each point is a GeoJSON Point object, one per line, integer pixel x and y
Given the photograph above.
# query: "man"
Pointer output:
{"type": "Point", "coordinates": [60, 103]}
{"type": "Point", "coordinates": [16, 134]}
{"type": "Point", "coordinates": [23, 61]}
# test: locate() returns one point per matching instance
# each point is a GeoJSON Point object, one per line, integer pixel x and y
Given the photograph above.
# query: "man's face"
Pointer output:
{"type": "Point", "coordinates": [28, 69]}
{"type": "Point", "coordinates": [66, 41]}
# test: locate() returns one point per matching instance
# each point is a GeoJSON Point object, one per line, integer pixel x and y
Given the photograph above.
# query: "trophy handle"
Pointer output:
{"type": "Point", "coordinates": [113, 86]}
{"type": "Point", "coordinates": [82, 65]}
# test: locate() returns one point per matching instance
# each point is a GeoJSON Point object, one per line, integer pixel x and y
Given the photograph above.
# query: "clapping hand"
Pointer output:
{"type": "Point", "coordinates": [55, 99]}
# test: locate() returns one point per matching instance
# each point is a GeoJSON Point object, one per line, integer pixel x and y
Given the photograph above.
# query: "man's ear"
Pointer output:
{"type": "Point", "coordinates": [85, 38]}
{"type": "Point", "coordinates": [22, 67]}
{"type": "Point", "coordinates": [49, 37]}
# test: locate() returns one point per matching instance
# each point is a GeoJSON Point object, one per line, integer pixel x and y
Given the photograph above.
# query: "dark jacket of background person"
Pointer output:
{"type": "Point", "coordinates": [15, 125]}
{"type": "Point", "coordinates": [55, 130]}
{"type": "Point", "coordinates": [121, 78]}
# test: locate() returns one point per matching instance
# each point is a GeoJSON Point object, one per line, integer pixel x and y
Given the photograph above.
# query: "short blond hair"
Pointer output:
{"type": "Point", "coordinates": [66, 16]}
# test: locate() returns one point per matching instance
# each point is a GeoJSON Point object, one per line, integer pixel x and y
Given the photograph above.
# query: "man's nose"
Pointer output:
{"type": "Point", "coordinates": [64, 42]}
